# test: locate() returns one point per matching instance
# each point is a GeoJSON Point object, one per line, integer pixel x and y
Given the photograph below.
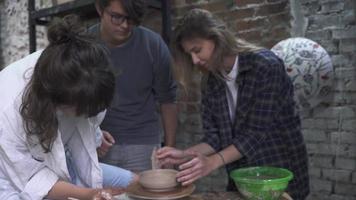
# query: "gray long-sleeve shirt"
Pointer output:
{"type": "Point", "coordinates": [145, 78]}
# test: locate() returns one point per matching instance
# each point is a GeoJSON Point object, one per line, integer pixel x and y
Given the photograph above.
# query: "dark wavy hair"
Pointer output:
{"type": "Point", "coordinates": [135, 8]}
{"type": "Point", "coordinates": [73, 70]}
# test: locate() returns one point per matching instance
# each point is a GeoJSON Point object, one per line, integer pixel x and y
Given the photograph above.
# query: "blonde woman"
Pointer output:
{"type": "Point", "coordinates": [247, 106]}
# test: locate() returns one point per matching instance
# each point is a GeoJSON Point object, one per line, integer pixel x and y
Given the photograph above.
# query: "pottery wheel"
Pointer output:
{"type": "Point", "coordinates": [137, 191]}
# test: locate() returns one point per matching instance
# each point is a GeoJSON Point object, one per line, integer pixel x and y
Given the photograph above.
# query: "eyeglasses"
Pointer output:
{"type": "Point", "coordinates": [118, 19]}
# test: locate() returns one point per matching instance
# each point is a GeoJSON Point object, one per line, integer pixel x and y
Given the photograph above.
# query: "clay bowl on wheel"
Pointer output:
{"type": "Point", "coordinates": [158, 180]}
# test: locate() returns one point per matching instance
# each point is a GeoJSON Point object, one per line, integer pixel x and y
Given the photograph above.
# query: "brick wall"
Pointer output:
{"type": "Point", "coordinates": [329, 129]}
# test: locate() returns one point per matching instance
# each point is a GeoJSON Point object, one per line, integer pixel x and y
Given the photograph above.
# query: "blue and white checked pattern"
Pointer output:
{"type": "Point", "coordinates": [266, 129]}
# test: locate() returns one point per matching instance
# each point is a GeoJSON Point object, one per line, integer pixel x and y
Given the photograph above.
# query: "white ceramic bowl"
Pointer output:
{"type": "Point", "coordinates": [158, 179]}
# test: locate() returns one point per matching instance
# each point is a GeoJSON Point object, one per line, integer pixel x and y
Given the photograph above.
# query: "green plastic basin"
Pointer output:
{"type": "Point", "coordinates": [261, 183]}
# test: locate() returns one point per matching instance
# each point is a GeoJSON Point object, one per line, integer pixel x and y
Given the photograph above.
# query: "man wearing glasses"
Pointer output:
{"type": "Point", "coordinates": [144, 80]}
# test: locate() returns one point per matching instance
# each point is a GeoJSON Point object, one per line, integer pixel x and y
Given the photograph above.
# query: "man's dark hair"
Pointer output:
{"type": "Point", "coordinates": [135, 8]}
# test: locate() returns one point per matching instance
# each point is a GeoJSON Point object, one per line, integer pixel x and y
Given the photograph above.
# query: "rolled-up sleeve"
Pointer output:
{"type": "Point", "coordinates": [41, 183]}
{"type": "Point", "coordinates": [164, 85]}
{"type": "Point", "coordinates": [24, 175]}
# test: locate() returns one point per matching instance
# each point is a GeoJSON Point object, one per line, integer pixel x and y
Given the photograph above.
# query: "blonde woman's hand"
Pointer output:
{"type": "Point", "coordinates": [198, 166]}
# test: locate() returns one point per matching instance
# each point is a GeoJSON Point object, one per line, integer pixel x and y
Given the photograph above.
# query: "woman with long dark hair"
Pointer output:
{"type": "Point", "coordinates": [52, 103]}
{"type": "Point", "coordinates": [248, 112]}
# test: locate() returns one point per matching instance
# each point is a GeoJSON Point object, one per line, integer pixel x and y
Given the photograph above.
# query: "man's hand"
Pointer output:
{"type": "Point", "coordinates": [107, 142]}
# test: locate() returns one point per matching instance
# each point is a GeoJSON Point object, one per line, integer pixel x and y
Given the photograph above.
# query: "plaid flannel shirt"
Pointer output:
{"type": "Point", "coordinates": [267, 129]}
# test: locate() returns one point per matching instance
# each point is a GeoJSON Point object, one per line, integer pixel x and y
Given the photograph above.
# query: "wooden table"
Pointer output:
{"type": "Point", "coordinates": [137, 192]}
{"type": "Point", "coordinates": [203, 196]}
{"type": "Point", "coordinates": [215, 196]}
{"type": "Point", "coordinates": [218, 196]}
{"type": "Point", "coordinates": [200, 196]}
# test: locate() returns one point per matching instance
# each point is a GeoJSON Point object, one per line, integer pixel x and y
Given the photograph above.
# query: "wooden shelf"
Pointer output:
{"type": "Point", "coordinates": [84, 6]}
{"type": "Point", "coordinates": [85, 9]}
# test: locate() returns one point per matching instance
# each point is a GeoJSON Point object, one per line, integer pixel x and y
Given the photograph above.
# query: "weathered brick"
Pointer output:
{"type": "Point", "coordinates": [341, 60]}
{"type": "Point", "coordinates": [337, 175]}
{"type": "Point", "coordinates": [331, 21]}
{"type": "Point", "coordinates": [320, 185]}
{"type": "Point", "coordinates": [345, 150]}
{"type": "Point", "coordinates": [319, 34]}
{"type": "Point", "coordinates": [181, 106]}
{"type": "Point", "coordinates": [345, 72]}
{"type": "Point", "coordinates": [178, 2]}
{"type": "Point", "coordinates": [322, 124]}
{"type": "Point", "coordinates": [307, 1]}
{"type": "Point", "coordinates": [334, 112]}
{"type": "Point", "coordinates": [347, 17]}
{"type": "Point", "coordinates": [192, 122]}
{"type": "Point", "coordinates": [332, 6]}
{"type": "Point", "coordinates": [349, 4]}
{"type": "Point", "coordinates": [345, 163]}
{"type": "Point", "coordinates": [343, 137]}
{"type": "Point", "coordinates": [249, 35]}
{"type": "Point", "coordinates": [214, 6]}
{"type": "Point", "coordinates": [320, 161]}
{"type": "Point", "coordinates": [191, 1]}
{"type": "Point", "coordinates": [346, 33]}
{"type": "Point", "coordinates": [193, 108]}
{"type": "Point", "coordinates": [341, 197]}
{"type": "Point", "coordinates": [280, 18]}
{"type": "Point", "coordinates": [269, 9]}
{"type": "Point", "coordinates": [315, 136]}
{"type": "Point", "coordinates": [354, 177]}
{"type": "Point", "coordinates": [346, 85]}
{"type": "Point", "coordinates": [322, 196]}
{"type": "Point", "coordinates": [273, 1]}
{"type": "Point", "coordinates": [182, 9]}
{"type": "Point", "coordinates": [271, 43]}
{"type": "Point", "coordinates": [343, 188]}
{"type": "Point", "coordinates": [348, 46]}
{"type": "Point", "coordinates": [330, 46]}
{"type": "Point", "coordinates": [328, 1]}
{"type": "Point", "coordinates": [192, 95]}
{"type": "Point", "coordinates": [245, 3]}
{"type": "Point", "coordinates": [250, 23]}
{"type": "Point", "coordinates": [315, 172]}
{"type": "Point", "coordinates": [311, 7]}
{"type": "Point", "coordinates": [349, 125]}
{"type": "Point", "coordinates": [237, 14]}
{"type": "Point", "coordinates": [342, 98]}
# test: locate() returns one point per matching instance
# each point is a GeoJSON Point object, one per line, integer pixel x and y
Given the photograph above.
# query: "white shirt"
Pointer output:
{"type": "Point", "coordinates": [26, 172]}
{"type": "Point", "coordinates": [231, 89]}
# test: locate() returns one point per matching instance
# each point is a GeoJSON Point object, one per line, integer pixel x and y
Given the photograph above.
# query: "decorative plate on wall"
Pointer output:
{"type": "Point", "coordinates": [310, 69]}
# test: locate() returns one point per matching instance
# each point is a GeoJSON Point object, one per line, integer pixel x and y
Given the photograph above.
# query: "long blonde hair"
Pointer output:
{"type": "Point", "coordinates": [199, 23]}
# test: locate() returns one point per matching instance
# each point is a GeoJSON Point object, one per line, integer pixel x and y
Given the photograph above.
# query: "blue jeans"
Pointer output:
{"type": "Point", "coordinates": [115, 177]}
{"type": "Point", "coordinates": [112, 176]}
